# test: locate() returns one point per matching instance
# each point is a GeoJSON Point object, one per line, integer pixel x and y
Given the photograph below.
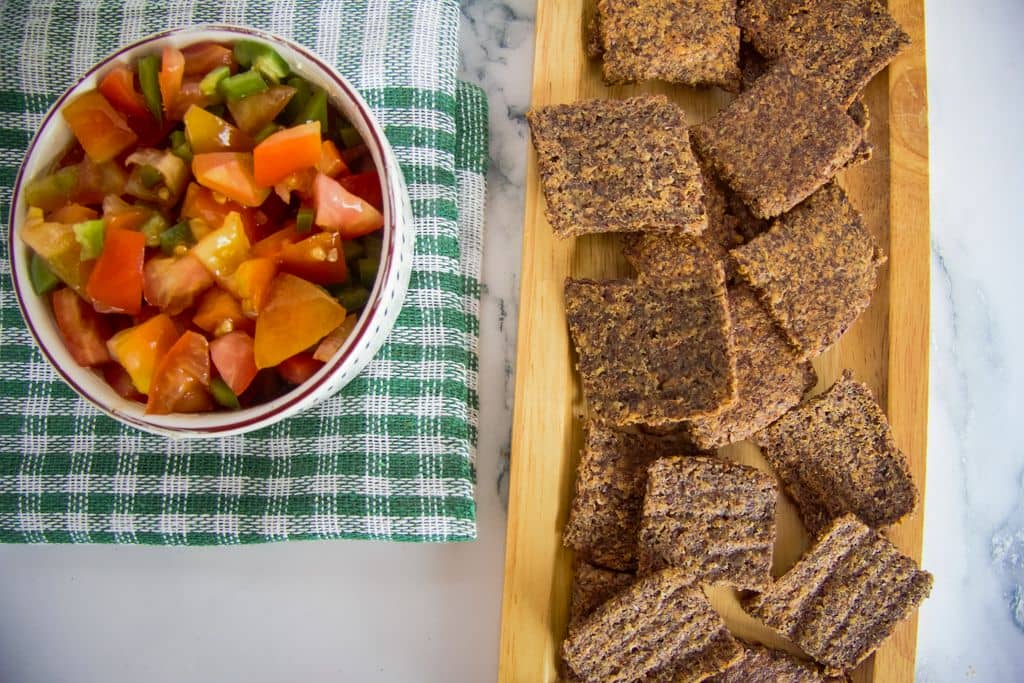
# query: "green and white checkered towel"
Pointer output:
{"type": "Point", "coordinates": [392, 456]}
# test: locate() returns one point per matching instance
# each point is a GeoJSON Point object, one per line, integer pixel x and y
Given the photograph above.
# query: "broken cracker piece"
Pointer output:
{"type": "Point", "coordinates": [617, 166]}
{"type": "Point", "coordinates": [845, 596]}
{"type": "Point", "coordinates": [778, 142]}
{"type": "Point", "coordinates": [691, 42]}
{"type": "Point", "coordinates": [814, 269]}
{"type": "Point", "coordinates": [761, 664]}
{"type": "Point", "coordinates": [662, 628]}
{"type": "Point", "coordinates": [711, 519]}
{"type": "Point", "coordinates": [592, 586]}
{"type": "Point", "coordinates": [653, 352]}
{"type": "Point", "coordinates": [836, 454]}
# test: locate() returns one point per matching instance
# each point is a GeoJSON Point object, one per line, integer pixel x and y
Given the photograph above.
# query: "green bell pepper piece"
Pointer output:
{"type": "Point", "coordinates": [304, 220]}
{"type": "Point", "coordinates": [179, 233]}
{"type": "Point", "coordinates": [223, 395]}
{"type": "Point", "coordinates": [52, 191]}
{"type": "Point", "coordinates": [297, 104]}
{"type": "Point", "coordinates": [39, 273]}
{"type": "Point", "coordinates": [149, 68]}
{"type": "Point", "coordinates": [315, 110]}
{"type": "Point", "coordinates": [353, 298]}
{"type": "Point", "coordinates": [90, 235]}
{"type": "Point", "coordinates": [367, 268]}
{"type": "Point", "coordinates": [211, 81]}
{"type": "Point", "coordinates": [242, 85]}
{"type": "Point", "coordinates": [152, 228]}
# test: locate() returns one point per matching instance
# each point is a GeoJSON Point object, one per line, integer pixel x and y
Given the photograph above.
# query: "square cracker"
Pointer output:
{"type": "Point", "coordinates": [592, 586]}
{"type": "Point", "coordinates": [711, 519]}
{"type": "Point", "coordinates": [835, 454]}
{"type": "Point", "coordinates": [778, 142]}
{"type": "Point", "coordinates": [610, 482]}
{"type": "Point", "coordinates": [691, 42]}
{"type": "Point", "coordinates": [653, 353]}
{"type": "Point", "coordinates": [766, 665]}
{"type": "Point", "coordinates": [771, 377]}
{"type": "Point", "coordinates": [840, 44]}
{"type": "Point", "coordinates": [662, 628]}
{"type": "Point", "coordinates": [617, 166]}
{"type": "Point", "coordinates": [814, 269]}
{"type": "Point", "coordinates": [845, 596]}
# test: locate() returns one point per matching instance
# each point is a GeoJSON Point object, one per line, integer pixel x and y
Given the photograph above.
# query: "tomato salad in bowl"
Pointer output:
{"type": "Point", "coordinates": [222, 239]}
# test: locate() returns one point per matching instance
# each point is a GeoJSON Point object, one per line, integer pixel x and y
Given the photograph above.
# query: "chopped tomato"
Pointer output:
{"type": "Point", "coordinates": [233, 357]}
{"type": "Point", "coordinates": [202, 58]}
{"type": "Point", "coordinates": [182, 377]}
{"type": "Point", "coordinates": [208, 132]}
{"type": "Point", "coordinates": [118, 86]}
{"type": "Point", "coordinates": [97, 181]}
{"type": "Point", "coordinates": [338, 210]}
{"type": "Point", "coordinates": [231, 174]}
{"type": "Point", "coordinates": [130, 218]}
{"type": "Point", "coordinates": [72, 213]}
{"type": "Point", "coordinates": [84, 330]}
{"type": "Point", "coordinates": [331, 162]}
{"type": "Point", "coordinates": [225, 248]}
{"type": "Point", "coordinates": [299, 368]}
{"type": "Point", "coordinates": [251, 283]}
{"type": "Point", "coordinates": [172, 71]}
{"type": "Point", "coordinates": [189, 95]}
{"type": "Point", "coordinates": [102, 131]}
{"type": "Point", "coordinates": [298, 314]}
{"type": "Point", "coordinates": [140, 348]}
{"type": "Point", "coordinates": [287, 151]}
{"type": "Point", "coordinates": [200, 203]}
{"type": "Point", "coordinates": [56, 244]}
{"type": "Point", "coordinates": [254, 112]}
{"type": "Point", "coordinates": [115, 284]}
{"type": "Point", "coordinates": [330, 344]}
{"type": "Point", "coordinates": [172, 284]}
{"type": "Point", "coordinates": [271, 245]}
{"type": "Point", "coordinates": [121, 382]}
{"type": "Point", "coordinates": [318, 258]}
{"type": "Point", "coordinates": [218, 312]}
{"type": "Point", "coordinates": [301, 182]}
{"type": "Point", "coordinates": [366, 186]}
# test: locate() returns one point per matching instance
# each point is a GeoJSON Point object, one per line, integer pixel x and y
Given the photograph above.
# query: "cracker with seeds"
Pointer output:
{"type": "Point", "coordinates": [691, 42]}
{"type": "Point", "coordinates": [845, 596]}
{"type": "Point", "coordinates": [610, 482]}
{"type": "Point", "coordinates": [814, 269]}
{"type": "Point", "coordinates": [835, 454]}
{"type": "Point", "coordinates": [653, 353]}
{"type": "Point", "coordinates": [778, 142]}
{"type": "Point", "coordinates": [771, 377]}
{"type": "Point", "coordinates": [711, 519]}
{"type": "Point", "coordinates": [841, 44]}
{"type": "Point", "coordinates": [767, 665]}
{"type": "Point", "coordinates": [617, 166]}
{"type": "Point", "coordinates": [592, 586]}
{"type": "Point", "coordinates": [662, 628]}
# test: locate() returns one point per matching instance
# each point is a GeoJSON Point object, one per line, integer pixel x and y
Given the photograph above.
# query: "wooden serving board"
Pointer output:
{"type": "Point", "coordinates": [887, 347]}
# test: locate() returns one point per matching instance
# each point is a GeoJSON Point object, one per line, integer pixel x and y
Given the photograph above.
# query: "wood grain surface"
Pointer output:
{"type": "Point", "coordinates": [887, 347]}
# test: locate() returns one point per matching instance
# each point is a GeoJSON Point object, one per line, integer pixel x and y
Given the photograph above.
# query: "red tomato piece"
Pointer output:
{"type": "Point", "coordinates": [96, 181]}
{"type": "Point", "coordinates": [287, 151]}
{"type": "Point", "coordinates": [233, 357]}
{"type": "Point", "coordinates": [102, 131]}
{"type": "Point", "coordinates": [319, 258]}
{"type": "Point", "coordinates": [140, 348]}
{"type": "Point", "coordinates": [121, 382]}
{"type": "Point", "coordinates": [298, 314]}
{"type": "Point", "coordinates": [172, 284]}
{"type": "Point", "coordinates": [84, 330]}
{"type": "Point", "coordinates": [299, 368]}
{"type": "Point", "coordinates": [338, 210]}
{"type": "Point", "coordinates": [366, 186]}
{"type": "Point", "coordinates": [231, 174]}
{"type": "Point", "coordinates": [172, 72]}
{"type": "Point", "coordinates": [182, 377]}
{"type": "Point", "coordinates": [202, 58]}
{"type": "Point", "coordinates": [118, 86]}
{"type": "Point", "coordinates": [115, 284]}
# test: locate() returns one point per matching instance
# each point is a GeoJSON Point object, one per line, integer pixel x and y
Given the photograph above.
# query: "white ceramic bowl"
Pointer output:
{"type": "Point", "coordinates": [375, 321]}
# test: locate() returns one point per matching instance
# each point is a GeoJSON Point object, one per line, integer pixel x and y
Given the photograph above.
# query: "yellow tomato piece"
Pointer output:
{"type": "Point", "coordinates": [297, 315]}
{"type": "Point", "coordinates": [223, 249]}
{"type": "Point", "coordinates": [138, 349]}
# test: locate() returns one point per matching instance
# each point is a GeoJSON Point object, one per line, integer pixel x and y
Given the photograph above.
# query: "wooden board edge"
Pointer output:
{"type": "Point", "coordinates": [909, 300]}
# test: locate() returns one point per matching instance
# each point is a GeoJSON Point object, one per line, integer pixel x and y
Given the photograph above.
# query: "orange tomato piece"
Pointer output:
{"type": "Point", "coordinates": [202, 58]}
{"type": "Point", "coordinates": [331, 163]}
{"type": "Point", "coordinates": [72, 213]}
{"type": "Point", "coordinates": [200, 203]}
{"type": "Point", "coordinates": [102, 131]}
{"type": "Point", "coordinates": [181, 378]}
{"type": "Point", "coordinates": [218, 313]}
{"type": "Point", "coordinates": [298, 314]}
{"type": "Point", "coordinates": [299, 368]}
{"type": "Point", "coordinates": [115, 284]}
{"type": "Point", "coordinates": [140, 348]}
{"type": "Point", "coordinates": [233, 356]}
{"type": "Point", "coordinates": [207, 132]}
{"type": "Point", "coordinates": [287, 151]}
{"type": "Point", "coordinates": [131, 218]}
{"type": "Point", "coordinates": [231, 174]}
{"type": "Point", "coordinates": [172, 72]}
{"type": "Point", "coordinates": [118, 86]}
{"type": "Point", "coordinates": [83, 330]}
{"type": "Point", "coordinates": [251, 283]}
{"type": "Point", "coordinates": [338, 210]}
{"type": "Point", "coordinates": [318, 258]}
{"type": "Point", "coordinates": [172, 284]}
{"type": "Point", "coordinates": [56, 244]}
{"type": "Point", "coordinates": [271, 245]}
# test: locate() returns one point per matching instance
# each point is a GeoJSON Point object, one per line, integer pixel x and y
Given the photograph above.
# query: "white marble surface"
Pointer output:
{"type": "Point", "coordinates": [348, 611]}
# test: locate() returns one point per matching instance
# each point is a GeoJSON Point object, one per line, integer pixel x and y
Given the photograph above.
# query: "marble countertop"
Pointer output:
{"type": "Point", "coordinates": [356, 611]}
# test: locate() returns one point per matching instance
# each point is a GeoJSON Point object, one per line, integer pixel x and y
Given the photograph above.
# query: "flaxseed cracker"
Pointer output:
{"type": "Point", "coordinates": [610, 482]}
{"type": "Point", "coordinates": [691, 42]}
{"type": "Point", "coordinates": [845, 596]}
{"type": "Point", "coordinates": [814, 269]}
{"type": "Point", "coordinates": [662, 628]}
{"type": "Point", "coordinates": [767, 665]}
{"type": "Point", "coordinates": [592, 586]}
{"type": "Point", "coordinates": [840, 44]}
{"type": "Point", "coordinates": [836, 454]}
{"type": "Point", "coordinates": [771, 377]}
{"type": "Point", "coordinates": [653, 352]}
{"type": "Point", "coordinates": [617, 166]}
{"type": "Point", "coordinates": [778, 142]}
{"type": "Point", "coordinates": [711, 519]}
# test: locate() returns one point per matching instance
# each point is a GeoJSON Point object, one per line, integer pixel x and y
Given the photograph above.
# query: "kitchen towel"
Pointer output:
{"type": "Point", "coordinates": [391, 457]}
